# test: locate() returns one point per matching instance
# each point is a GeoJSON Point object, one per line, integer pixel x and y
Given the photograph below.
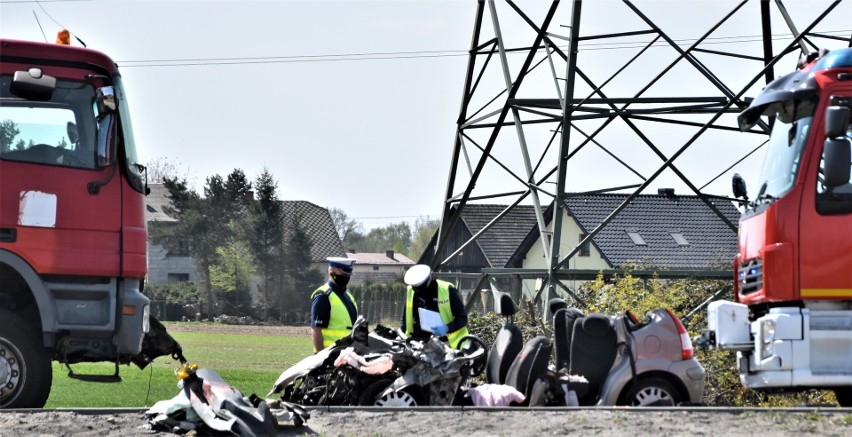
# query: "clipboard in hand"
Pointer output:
{"type": "Point", "coordinates": [429, 319]}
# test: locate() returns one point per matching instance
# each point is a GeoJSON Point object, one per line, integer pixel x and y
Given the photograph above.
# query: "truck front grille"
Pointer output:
{"type": "Point", "coordinates": [751, 276]}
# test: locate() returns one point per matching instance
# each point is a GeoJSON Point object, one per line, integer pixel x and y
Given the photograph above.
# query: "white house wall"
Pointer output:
{"type": "Point", "coordinates": [160, 266]}
{"type": "Point", "coordinates": [570, 237]}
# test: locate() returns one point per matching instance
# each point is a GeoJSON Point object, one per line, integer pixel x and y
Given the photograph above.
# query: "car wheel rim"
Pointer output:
{"type": "Point", "coordinates": [11, 373]}
{"type": "Point", "coordinates": [655, 396]}
{"type": "Point", "coordinates": [396, 399]}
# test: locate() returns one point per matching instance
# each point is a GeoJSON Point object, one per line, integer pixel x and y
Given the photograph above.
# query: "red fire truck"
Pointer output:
{"type": "Point", "coordinates": [791, 324]}
{"type": "Point", "coordinates": [72, 220]}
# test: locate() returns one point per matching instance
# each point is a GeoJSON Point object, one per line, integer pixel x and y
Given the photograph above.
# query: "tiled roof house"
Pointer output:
{"type": "Point", "coordinates": [664, 230]}
{"type": "Point", "coordinates": [493, 249]}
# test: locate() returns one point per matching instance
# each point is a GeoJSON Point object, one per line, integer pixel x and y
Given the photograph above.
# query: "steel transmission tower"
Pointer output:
{"type": "Point", "coordinates": [625, 96]}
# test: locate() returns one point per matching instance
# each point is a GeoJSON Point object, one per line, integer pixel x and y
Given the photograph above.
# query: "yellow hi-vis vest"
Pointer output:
{"type": "Point", "coordinates": [339, 322]}
{"type": "Point", "coordinates": [443, 308]}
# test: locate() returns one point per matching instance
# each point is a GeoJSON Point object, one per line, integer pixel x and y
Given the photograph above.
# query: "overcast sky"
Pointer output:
{"type": "Point", "coordinates": [350, 104]}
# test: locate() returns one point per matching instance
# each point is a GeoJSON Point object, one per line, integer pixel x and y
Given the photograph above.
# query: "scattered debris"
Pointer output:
{"type": "Point", "coordinates": [208, 402]}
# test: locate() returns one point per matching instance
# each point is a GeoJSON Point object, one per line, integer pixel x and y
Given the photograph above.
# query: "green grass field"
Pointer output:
{"type": "Point", "coordinates": [251, 363]}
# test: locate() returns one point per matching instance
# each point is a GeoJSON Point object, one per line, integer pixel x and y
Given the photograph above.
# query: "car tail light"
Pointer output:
{"type": "Point", "coordinates": [685, 343]}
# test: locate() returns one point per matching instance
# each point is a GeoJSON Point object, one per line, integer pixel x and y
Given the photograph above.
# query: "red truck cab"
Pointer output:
{"type": "Point", "coordinates": [72, 219]}
{"type": "Point", "coordinates": [791, 324]}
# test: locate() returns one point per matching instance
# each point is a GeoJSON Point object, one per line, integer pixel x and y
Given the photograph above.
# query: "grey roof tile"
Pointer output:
{"type": "Point", "coordinates": [500, 241]}
{"type": "Point", "coordinates": [318, 224]}
{"type": "Point", "coordinates": [655, 217]}
{"type": "Point", "coordinates": [155, 201]}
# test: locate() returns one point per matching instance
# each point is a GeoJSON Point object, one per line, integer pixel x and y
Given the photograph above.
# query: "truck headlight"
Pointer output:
{"type": "Point", "coordinates": [146, 322]}
{"type": "Point", "coordinates": [767, 338]}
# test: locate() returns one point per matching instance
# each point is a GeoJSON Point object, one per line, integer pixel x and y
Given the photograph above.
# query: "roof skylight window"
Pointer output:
{"type": "Point", "coordinates": [636, 238]}
{"type": "Point", "coordinates": [680, 239]}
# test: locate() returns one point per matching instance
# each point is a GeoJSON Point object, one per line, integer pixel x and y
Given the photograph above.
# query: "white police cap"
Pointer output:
{"type": "Point", "coordinates": [341, 263]}
{"type": "Point", "coordinates": [417, 275]}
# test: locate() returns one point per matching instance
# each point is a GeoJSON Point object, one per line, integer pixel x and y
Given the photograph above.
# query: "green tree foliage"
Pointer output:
{"type": "Point", "coordinates": [396, 237]}
{"type": "Point", "coordinates": [400, 237]}
{"type": "Point", "coordinates": [204, 224]}
{"type": "Point", "coordinates": [302, 280]}
{"type": "Point", "coordinates": [8, 131]}
{"type": "Point", "coordinates": [424, 229]}
{"type": "Point", "coordinates": [180, 293]}
{"type": "Point", "coordinates": [170, 301]}
{"type": "Point", "coordinates": [231, 278]}
{"type": "Point", "coordinates": [265, 237]}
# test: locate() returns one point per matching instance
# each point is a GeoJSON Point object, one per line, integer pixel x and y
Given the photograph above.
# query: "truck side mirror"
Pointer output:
{"type": "Point", "coordinates": [836, 121]}
{"type": "Point", "coordinates": [836, 155]}
{"type": "Point", "coordinates": [33, 84]}
{"type": "Point", "coordinates": [105, 100]}
{"type": "Point", "coordinates": [106, 103]}
{"type": "Point", "coordinates": [739, 187]}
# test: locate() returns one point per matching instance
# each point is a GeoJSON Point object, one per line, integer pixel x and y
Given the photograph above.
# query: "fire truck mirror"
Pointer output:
{"type": "Point", "coordinates": [836, 121]}
{"type": "Point", "coordinates": [33, 84]}
{"type": "Point", "coordinates": [836, 154]}
{"type": "Point", "coordinates": [106, 100]}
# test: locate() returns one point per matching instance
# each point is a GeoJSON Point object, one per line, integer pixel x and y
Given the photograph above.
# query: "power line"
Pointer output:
{"type": "Point", "coordinates": [420, 54]}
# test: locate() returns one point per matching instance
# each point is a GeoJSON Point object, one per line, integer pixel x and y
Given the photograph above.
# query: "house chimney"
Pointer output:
{"type": "Point", "coordinates": [389, 254]}
{"type": "Point", "coordinates": [668, 192]}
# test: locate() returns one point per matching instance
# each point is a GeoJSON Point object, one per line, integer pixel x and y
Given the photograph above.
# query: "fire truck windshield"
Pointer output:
{"type": "Point", "coordinates": [61, 131]}
{"type": "Point", "coordinates": [783, 155]}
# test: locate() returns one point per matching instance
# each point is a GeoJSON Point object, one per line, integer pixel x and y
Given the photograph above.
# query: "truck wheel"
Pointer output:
{"type": "Point", "coordinates": [844, 396]}
{"type": "Point", "coordinates": [25, 373]}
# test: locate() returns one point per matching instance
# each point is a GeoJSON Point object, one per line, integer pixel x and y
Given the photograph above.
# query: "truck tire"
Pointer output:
{"type": "Point", "coordinates": [25, 372]}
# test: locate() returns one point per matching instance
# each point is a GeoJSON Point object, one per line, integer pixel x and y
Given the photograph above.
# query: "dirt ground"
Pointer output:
{"type": "Point", "coordinates": [238, 329]}
{"type": "Point", "coordinates": [472, 422]}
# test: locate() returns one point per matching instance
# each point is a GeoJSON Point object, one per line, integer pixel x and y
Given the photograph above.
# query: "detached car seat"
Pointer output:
{"type": "Point", "coordinates": [594, 346]}
{"type": "Point", "coordinates": [529, 366]}
{"type": "Point", "coordinates": [507, 344]}
{"type": "Point", "coordinates": [563, 332]}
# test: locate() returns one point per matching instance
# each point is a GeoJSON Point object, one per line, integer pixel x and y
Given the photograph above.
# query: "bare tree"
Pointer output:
{"type": "Point", "coordinates": [162, 168]}
{"type": "Point", "coordinates": [344, 225]}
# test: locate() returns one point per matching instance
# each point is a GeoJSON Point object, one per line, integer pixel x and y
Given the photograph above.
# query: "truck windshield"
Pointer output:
{"type": "Point", "coordinates": [783, 156]}
{"type": "Point", "coordinates": [60, 132]}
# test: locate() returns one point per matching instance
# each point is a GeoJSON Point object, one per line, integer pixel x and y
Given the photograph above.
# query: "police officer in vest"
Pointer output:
{"type": "Point", "coordinates": [436, 299]}
{"type": "Point", "coordinates": [333, 308]}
